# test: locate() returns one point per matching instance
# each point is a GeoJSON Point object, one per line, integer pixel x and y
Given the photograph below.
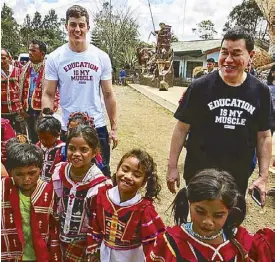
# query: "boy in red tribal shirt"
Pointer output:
{"type": "Point", "coordinates": [29, 229]}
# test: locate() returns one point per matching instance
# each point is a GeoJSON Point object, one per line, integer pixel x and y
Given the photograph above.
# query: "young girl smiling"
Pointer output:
{"type": "Point", "coordinates": [124, 224]}
{"type": "Point", "coordinates": [76, 183]}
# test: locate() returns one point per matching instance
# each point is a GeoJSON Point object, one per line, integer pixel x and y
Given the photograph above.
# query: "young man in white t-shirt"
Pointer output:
{"type": "Point", "coordinates": [80, 71]}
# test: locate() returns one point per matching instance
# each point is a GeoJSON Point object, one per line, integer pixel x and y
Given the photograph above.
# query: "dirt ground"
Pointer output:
{"type": "Point", "coordinates": [145, 124]}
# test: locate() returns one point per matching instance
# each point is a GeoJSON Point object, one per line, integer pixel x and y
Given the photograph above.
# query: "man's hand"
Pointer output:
{"type": "Point", "coordinates": [172, 178]}
{"type": "Point", "coordinates": [259, 183]}
{"type": "Point", "coordinates": [113, 136]}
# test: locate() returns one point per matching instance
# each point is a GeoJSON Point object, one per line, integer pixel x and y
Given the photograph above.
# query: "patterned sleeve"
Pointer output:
{"type": "Point", "coordinates": [160, 251]}
{"type": "Point", "coordinates": [263, 246]}
{"type": "Point", "coordinates": [55, 249]}
{"type": "Point", "coordinates": [151, 226]}
{"type": "Point", "coordinates": [94, 236]}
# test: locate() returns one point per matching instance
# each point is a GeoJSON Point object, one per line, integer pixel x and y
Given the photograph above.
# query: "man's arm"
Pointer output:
{"type": "Point", "coordinates": [49, 94]}
{"type": "Point", "coordinates": [178, 138]}
{"type": "Point", "coordinates": [110, 104]}
{"type": "Point", "coordinates": [264, 152]}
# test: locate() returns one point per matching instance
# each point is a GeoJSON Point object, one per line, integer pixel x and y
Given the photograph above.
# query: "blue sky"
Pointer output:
{"type": "Point", "coordinates": [182, 15]}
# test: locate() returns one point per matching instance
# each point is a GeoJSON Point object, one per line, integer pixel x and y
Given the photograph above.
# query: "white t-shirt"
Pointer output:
{"type": "Point", "coordinates": [79, 76]}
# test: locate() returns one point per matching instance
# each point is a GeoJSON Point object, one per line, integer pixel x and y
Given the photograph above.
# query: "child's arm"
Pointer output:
{"type": "Point", "coordinates": [94, 236]}
{"type": "Point", "coordinates": [54, 243]}
{"type": "Point", "coordinates": [159, 251]}
{"type": "Point", "coordinates": [151, 227]}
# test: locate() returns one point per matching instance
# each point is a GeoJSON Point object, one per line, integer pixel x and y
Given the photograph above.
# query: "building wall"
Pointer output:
{"type": "Point", "coordinates": [184, 59]}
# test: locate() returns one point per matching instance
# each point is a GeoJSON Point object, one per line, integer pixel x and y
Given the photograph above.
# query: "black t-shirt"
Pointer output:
{"type": "Point", "coordinates": [224, 121]}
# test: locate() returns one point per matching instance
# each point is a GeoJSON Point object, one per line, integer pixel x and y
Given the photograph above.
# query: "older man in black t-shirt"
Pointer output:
{"type": "Point", "coordinates": [227, 116]}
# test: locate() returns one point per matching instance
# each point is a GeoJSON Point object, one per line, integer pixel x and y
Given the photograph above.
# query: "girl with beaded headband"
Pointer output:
{"type": "Point", "coordinates": [214, 234]}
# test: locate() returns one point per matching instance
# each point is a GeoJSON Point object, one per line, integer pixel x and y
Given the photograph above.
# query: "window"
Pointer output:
{"type": "Point", "coordinates": [176, 67]}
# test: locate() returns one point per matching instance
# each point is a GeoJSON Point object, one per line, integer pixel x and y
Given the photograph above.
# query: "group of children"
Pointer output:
{"type": "Point", "coordinates": [57, 205]}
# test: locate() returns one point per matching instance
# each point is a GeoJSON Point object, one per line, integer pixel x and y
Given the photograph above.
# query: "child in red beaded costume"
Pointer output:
{"type": "Point", "coordinates": [124, 224]}
{"type": "Point", "coordinates": [217, 210]}
{"type": "Point", "coordinates": [48, 130]}
{"type": "Point", "coordinates": [76, 182]}
{"type": "Point", "coordinates": [29, 230]}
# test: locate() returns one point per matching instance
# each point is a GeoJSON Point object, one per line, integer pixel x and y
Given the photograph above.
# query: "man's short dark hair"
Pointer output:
{"type": "Point", "coordinates": [210, 60]}
{"type": "Point", "coordinates": [237, 33]}
{"type": "Point", "coordinates": [42, 46]}
{"type": "Point", "coordinates": [77, 11]}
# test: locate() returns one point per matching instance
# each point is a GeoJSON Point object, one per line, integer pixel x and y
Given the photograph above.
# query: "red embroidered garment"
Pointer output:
{"type": "Point", "coordinates": [193, 250]}
{"type": "Point", "coordinates": [7, 132]}
{"type": "Point", "coordinates": [42, 221]}
{"type": "Point", "coordinates": [37, 93]}
{"type": "Point", "coordinates": [263, 246]}
{"type": "Point", "coordinates": [10, 98]}
{"type": "Point", "coordinates": [50, 155]}
{"type": "Point", "coordinates": [74, 201]}
{"type": "Point", "coordinates": [123, 228]}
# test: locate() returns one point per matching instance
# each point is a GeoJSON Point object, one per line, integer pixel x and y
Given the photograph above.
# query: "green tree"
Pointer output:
{"type": "Point", "coordinates": [53, 35]}
{"type": "Point", "coordinates": [47, 30]}
{"type": "Point", "coordinates": [116, 32]}
{"type": "Point", "coordinates": [205, 30]}
{"type": "Point", "coordinates": [248, 15]}
{"type": "Point", "coordinates": [9, 30]}
{"type": "Point", "coordinates": [26, 32]}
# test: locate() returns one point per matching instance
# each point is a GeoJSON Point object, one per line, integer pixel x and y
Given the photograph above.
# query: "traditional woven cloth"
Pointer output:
{"type": "Point", "coordinates": [123, 228]}
{"type": "Point", "coordinates": [43, 224]}
{"type": "Point", "coordinates": [75, 251]}
{"type": "Point", "coordinates": [178, 245]}
{"type": "Point", "coordinates": [74, 203]}
{"type": "Point", "coordinates": [10, 102]}
{"type": "Point", "coordinates": [50, 154]}
{"type": "Point", "coordinates": [7, 132]}
{"type": "Point", "coordinates": [37, 93]}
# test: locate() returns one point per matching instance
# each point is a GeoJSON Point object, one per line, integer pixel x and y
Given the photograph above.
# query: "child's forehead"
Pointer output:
{"type": "Point", "coordinates": [27, 168]}
{"type": "Point", "coordinates": [45, 133]}
{"type": "Point", "coordinates": [135, 162]}
{"type": "Point", "coordinates": [214, 205]}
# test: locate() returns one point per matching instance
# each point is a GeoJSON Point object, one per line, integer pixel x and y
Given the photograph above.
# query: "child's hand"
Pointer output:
{"type": "Point", "coordinates": [94, 258]}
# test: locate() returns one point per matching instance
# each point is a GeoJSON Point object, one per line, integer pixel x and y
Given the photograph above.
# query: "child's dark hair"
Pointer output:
{"type": "Point", "coordinates": [88, 133]}
{"type": "Point", "coordinates": [151, 178]}
{"type": "Point", "coordinates": [211, 184]}
{"type": "Point", "coordinates": [20, 155]}
{"type": "Point", "coordinates": [49, 124]}
{"type": "Point", "coordinates": [82, 117]}
{"type": "Point", "coordinates": [19, 139]}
